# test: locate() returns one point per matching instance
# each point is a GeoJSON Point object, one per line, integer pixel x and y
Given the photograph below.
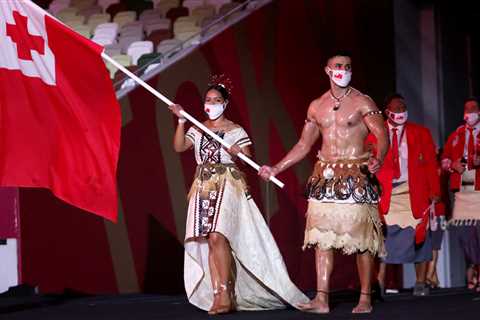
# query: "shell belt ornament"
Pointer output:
{"type": "Point", "coordinates": [343, 181]}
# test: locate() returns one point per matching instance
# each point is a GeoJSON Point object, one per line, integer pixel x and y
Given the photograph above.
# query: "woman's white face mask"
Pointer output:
{"type": "Point", "coordinates": [214, 111]}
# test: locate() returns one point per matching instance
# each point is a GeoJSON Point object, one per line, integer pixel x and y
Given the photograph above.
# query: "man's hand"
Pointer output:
{"type": "Point", "coordinates": [266, 172]}
{"type": "Point", "coordinates": [458, 166]}
{"type": "Point", "coordinates": [374, 165]}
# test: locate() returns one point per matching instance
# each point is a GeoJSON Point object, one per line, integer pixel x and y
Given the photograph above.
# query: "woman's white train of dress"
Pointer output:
{"type": "Point", "coordinates": [219, 202]}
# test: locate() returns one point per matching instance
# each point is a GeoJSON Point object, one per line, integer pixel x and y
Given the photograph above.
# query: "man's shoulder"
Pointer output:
{"type": "Point", "coordinates": [459, 129]}
{"type": "Point", "coordinates": [321, 98]}
{"type": "Point", "coordinates": [453, 135]}
{"type": "Point", "coordinates": [318, 102]}
{"type": "Point", "coordinates": [417, 127]}
{"type": "Point", "coordinates": [361, 100]}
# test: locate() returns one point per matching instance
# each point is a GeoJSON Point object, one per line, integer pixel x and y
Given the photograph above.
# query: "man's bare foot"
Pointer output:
{"type": "Point", "coordinates": [317, 305]}
{"type": "Point", "coordinates": [364, 304]}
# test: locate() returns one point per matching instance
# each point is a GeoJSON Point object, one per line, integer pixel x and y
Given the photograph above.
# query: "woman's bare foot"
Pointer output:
{"type": "Point", "coordinates": [364, 304]}
{"type": "Point", "coordinates": [222, 302]}
{"type": "Point", "coordinates": [213, 309]}
{"type": "Point", "coordinates": [225, 304]}
{"type": "Point", "coordinates": [319, 304]}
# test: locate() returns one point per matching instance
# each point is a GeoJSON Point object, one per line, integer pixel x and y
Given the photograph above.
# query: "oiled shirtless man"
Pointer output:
{"type": "Point", "coordinates": [342, 198]}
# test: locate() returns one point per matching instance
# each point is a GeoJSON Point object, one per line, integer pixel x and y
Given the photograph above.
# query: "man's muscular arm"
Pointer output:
{"type": "Point", "coordinates": [310, 134]}
{"type": "Point", "coordinates": [373, 119]}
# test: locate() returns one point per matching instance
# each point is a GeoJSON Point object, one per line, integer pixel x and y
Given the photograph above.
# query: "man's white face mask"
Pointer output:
{"type": "Point", "coordinates": [398, 118]}
{"type": "Point", "coordinates": [471, 118]}
{"type": "Point", "coordinates": [341, 77]}
{"type": "Point", "coordinates": [214, 111]}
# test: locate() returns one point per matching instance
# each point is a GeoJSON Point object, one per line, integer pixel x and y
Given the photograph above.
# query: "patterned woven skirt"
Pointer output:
{"type": "Point", "coordinates": [343, 208]}
{"type": "Point", "coordinates": [219, 202]}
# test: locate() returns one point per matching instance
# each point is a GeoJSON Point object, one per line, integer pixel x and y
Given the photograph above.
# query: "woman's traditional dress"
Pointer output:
{"type": "Point", "coordinates": [219, 202]}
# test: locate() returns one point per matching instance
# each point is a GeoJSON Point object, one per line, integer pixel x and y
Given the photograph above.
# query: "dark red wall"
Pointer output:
{"type": "Point", "coordinates": [275, 59]}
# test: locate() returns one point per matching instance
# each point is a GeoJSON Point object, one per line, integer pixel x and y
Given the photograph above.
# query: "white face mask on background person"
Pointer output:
{"type": "Point", "coordinates": [214, 111]}
{"type": "Point", "coordinates": [471, 118]}
{"type": "Point", "coordinates": [398, 118]}
{"type": "Point", "coordinates": [341, 77]}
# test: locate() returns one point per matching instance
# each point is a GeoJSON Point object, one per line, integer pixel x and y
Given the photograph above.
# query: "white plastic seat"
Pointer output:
{"type": "Point", "coordinates": [166, 5]}
{"type": "Point", "coordinates": [107, 28]}
{"type": "Point", "coordinates": [107, 3]}
{"type": "Point", "coordinates": [73, 21]}
{"type": "Point", "coordinates": [226, 8]}
{"type": "Point", "coordinates": [192, 4]}
{"type": "Point", "coordinates": [122, 59]}
{"type": "Point", "coordinates": [87, 12]}
{"type": "Point", "coordinates": [57, 6]}
{"type": "Point", "coordinates": [126, 41]}
{"type": "Point", "coordinates": [82, 4]}
{"type": "Point", "coordinates": [130, 14]}
{"type": "Point", "coordinates": [103, 40]}
{"type": "Point", "coordinates": [68, 11]}
{"type": "Point", "coordinates": [159, 24]}
{"type": "Point", "coordinates": [203, 12]}
{"type": "Point", "coordinates": [217, 3]}
{"type": "Point", "coordinates": [150, 13]}
{"type": "Point", "coordinates": [96, 19]}
{"type": "Point", "coordinates": [123, 19]}
{"type": "Point", "coordinates": [139, 48]}
{"type": "Point", "coordinates": [82, 29]}
{"type": "Point", "coordinates": [133, 32]}
{"type": "Point", "coordinates": [166, 47]}
{"type": "Point", "coordinates": [187, 33]}
{"type": "Point", "coordinates": [113, 49]}
{"type": "Point", "coordinates": [182, 24]}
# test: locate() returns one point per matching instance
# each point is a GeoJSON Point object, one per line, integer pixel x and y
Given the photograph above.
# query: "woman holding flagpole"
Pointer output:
{"type": "Point", "coordinates": [231, 259]}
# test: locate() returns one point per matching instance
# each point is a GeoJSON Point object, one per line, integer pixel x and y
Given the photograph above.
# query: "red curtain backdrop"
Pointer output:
{"type": "Point", "coordinates": [275, 58]}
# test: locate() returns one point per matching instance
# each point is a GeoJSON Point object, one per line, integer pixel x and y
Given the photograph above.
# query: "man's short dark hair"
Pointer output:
{"type": "Point", "coordinates": [339, 53]}
{"type": "Point", "coordinates": [472, 98]}
{"type": "Point", "coordinates": [390, 97]}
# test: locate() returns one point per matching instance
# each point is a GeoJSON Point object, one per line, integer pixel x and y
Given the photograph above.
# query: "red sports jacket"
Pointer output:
{"type": "Point", "coordinates": [453, 150]}
{"type": "Point", "coordinates": [423, 173]}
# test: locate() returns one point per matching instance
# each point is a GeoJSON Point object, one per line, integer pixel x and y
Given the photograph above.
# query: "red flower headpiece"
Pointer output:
{"type": "Point", "coordinates": [221, 80]}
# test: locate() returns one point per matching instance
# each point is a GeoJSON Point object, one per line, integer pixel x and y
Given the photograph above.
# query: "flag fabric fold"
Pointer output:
{"type": "Point", "coordinates": [59, 118]}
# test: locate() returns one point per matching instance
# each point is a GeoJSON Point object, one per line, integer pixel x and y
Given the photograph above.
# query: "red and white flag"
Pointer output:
{"type": "Point", "coordinates": [59, 118]}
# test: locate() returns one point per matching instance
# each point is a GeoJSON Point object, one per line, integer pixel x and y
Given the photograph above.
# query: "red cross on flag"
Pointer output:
{"type": "Point", "coordinates": [59, 117]}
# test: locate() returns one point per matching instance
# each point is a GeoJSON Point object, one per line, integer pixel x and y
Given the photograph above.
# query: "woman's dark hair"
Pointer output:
{"type": "Point", "coordinates": [220, 88]}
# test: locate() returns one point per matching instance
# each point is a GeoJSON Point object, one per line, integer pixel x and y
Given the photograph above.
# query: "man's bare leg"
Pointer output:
{"type": "Point", "coordinates": [477, 288]}
{"type": "Point", "coordinates": [382, 271]}
{"type": "Point", "coordinates": [365, 268]}
{"type": "Point", "coordinates": [432, 278]}
{"type": "Point", "coordinates": [324, 268]}
{"type": "Point", "coordinates": [421, 271]}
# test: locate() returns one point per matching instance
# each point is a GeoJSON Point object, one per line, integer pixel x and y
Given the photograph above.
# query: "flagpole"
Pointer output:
{"type": "Point", "coordinates": [160, 96]}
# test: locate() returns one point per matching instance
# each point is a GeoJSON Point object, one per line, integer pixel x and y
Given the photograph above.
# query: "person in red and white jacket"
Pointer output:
{"type": "Point", "coordinates": [461, 159]}
{"type": "Point", "coordinates": [410, 184]}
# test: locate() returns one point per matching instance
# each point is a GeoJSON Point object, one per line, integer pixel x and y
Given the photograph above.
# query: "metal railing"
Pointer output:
{"type": "Point", "coordinates": [176, 53]}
